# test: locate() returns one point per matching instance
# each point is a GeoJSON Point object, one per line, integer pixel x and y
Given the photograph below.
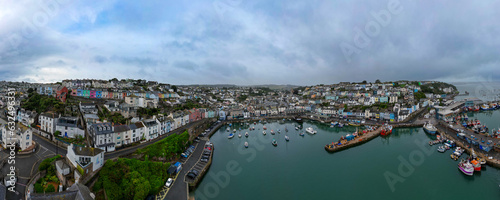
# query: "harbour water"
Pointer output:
{"type": "Point", "coordinates": [302, 169]}
{"type": "Point", "coordinates": [486, 90]}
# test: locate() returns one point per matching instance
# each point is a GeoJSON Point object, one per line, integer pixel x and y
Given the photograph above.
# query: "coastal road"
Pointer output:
{"type": "Point", "coordinates": [179, 189]}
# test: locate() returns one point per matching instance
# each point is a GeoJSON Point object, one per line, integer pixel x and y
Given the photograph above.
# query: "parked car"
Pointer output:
{"type": "Point", "coordinates": [169, 182]}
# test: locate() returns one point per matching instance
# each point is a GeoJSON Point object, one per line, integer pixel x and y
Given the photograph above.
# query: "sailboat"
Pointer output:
{"type": "Point", "coordinates": [287, 138]}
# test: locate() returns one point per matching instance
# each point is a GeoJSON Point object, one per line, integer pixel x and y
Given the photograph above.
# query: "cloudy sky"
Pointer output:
{"type": "Point", "coordinates": [250, 42]}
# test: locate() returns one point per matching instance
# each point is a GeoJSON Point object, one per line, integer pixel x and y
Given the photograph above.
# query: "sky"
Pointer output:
{"type": "Point", "coordinates": [250, 42]}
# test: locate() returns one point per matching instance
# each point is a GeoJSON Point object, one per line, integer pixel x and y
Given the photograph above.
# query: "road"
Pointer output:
{"type": "Point", "coordinates": [179, 187]}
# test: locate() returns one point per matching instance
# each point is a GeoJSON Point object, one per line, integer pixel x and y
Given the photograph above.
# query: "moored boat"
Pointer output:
{"type": "Point", "coordinates": [272, 132]}
{"type": "Point", "coordinates": [476, 165]}
{"type": "Point", "coordinates": [310, 130]}
{"type": "Point", "coordinates": [287, 138]}
{"type": "Point", "coordinates": [264, 132]}
{"type": "Point", "coordinates": [274, 142]}
{"type": "Point", "coordinates": [301, 134]}
{"type": "Point", "coordinates": [386, 130]}
{"type": "Point", "coordinates": [231, 135]}
{"type": "Point", "coordinates": [429, 128]}
{"type": "Point", "coordinates": [246, 134]}
{"type": "Point", "coordinates": [239, 135]}
{"type": "Point", "coordinates": [246, 144]}
{"type": "Point", "coordinates": [466, 168]}
{"type": "Point", "coordinates": [264, 127]}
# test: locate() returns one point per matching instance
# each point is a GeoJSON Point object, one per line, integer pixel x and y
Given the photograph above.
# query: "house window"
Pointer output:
{"type": "Point", "coordinates": [27, 137]}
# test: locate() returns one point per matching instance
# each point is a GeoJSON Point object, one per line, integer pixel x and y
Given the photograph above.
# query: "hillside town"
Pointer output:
{"type": "Point", "coordinates": [94, 118]}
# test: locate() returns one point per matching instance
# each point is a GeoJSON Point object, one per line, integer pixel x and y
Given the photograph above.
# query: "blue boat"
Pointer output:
{"type": "Point", "coordinates": [231, 135]}
{"type": "Point", "coordinates": [430, 129]}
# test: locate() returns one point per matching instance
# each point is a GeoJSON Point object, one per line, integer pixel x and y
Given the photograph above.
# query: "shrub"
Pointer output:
{"type": "Point", "coordinates": [50, 188]}
{"type": "Point", "coordinates": [38, 188]}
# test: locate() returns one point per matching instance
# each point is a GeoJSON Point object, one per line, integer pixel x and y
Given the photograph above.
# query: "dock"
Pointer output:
{"type": "Point", "coordinates": [451, 133]}
{"type": "Point", "coordinates": [355, 142]}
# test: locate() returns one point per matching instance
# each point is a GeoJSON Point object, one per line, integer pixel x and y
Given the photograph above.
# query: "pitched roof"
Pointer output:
{"type": "Point", "coordinates": [121, 128]}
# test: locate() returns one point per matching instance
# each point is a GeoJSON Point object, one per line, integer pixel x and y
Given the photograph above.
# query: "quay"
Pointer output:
{"type": "Point", "coordinates": [451, 134]}
{"type": "Point", "coordinates": [355, 142]}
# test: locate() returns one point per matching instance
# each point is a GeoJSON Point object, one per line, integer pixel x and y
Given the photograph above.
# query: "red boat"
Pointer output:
{"type": "Point", "coordinates": [477, 166]}
{"type": "Point", "coordinates": [387, 130]}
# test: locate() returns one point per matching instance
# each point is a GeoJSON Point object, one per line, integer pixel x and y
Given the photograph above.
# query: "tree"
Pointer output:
{"type": "Point", "coordinates": [57, 133]}
{"type": "Point", "coordinates": [377, 81]}
{"type": "Point", "coordinates": [50, 188]}
{"type": "Point", "coordinates": [30, 90]}
{"type": "Point", "coordinates": [174, 88]}
{"type": "Point", "coordinates": [364, 82]}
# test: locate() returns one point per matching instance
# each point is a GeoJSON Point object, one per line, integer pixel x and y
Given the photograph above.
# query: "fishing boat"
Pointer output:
{"type": "Point", "coordinates": [272, 132]}
{"type": "Point", "coordinates": [239, 135]}
{"type": "Point", "coordinates": [246, 144]}
{"type": "Point", "coordinates": [231, 135]}
{"type": "Point", "coordinates": [485, 107]}
{"type": "Point", "coordinates": [353, 124]}
{"type": "Point", "coordinates": [264, 127]}
{"type": "Point", "coordinates": [228, 129]}
{"type": "Point", "coordinates": [310, 130]}
{"type": "Point", "coordinates": [274, 142]}
{"type": "Point", "coordinates": [246, 134]}
{"type": "Point", "coordinates": [458, 151]}
{"type": "Point", "coordinates": [386, 130]}
{"type": "Point", "coordinates": [264, 132]}
{"type": "Point", "coordinates": [234, 130]}
{"type": "Point", "coordinates": [466, 167]}
{"type": "Point", "coordinates": [301, 134]}
{"type": "Point", "coordinates": [453, 156]}
{"type": "Point", "coordinates": [441, 149]}
{"type": "Point", "coordinates": [482, 161]}
{"type": "Point", "coordinates": [429, 128]}
{"type": "Point", "coordinates": [287, 138]}
{"type": "Point", "coordinates": [476, 165]}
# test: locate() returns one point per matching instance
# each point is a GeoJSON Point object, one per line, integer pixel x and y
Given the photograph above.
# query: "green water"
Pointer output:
{"type": "Point", "coordinates": [302, 169]}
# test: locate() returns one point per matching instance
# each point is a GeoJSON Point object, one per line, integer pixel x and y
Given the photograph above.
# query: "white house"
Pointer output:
{"type": "Point", "coordinates": [26, 117]}
{"type": "Point", "coordinates": [137, 130]}
{"type": "Point", "coordinates": [48, 122]}
{"type": "Point", "coordinates": [152, 128]}
{"type": "Point", "coordinates": [89, 159]}
{"type": "Point", "coordinates": [68, 126]}
{"type": "Point", "coordinates": [102, 136]}
{"type": "Point", "coordinates": [22, 136]}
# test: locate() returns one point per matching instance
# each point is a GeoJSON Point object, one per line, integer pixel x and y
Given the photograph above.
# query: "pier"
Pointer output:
{"type": "Point", "coordinates": [355, 142]}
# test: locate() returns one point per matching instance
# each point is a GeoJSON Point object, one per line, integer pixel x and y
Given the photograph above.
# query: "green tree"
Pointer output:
{"type": "Point", "coordinates": [174, 88]}
{"type": "Point", "coordinates": [50, 188]}
{"type": "Point", "coordinates": [377, 81]}
{"type": "Point", "coordinates": [38, 188]}
{"type": "Point", "coordinates": [30, 90]}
